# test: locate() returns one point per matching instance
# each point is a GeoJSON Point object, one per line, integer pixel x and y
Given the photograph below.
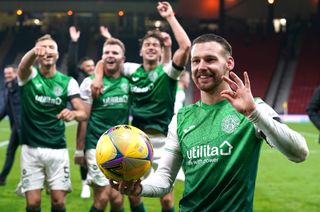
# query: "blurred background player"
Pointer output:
{"type": "Point", "coordinates": [153, 87]}
{"type": "Point", "coordinates": [313, 109]}
{"type": "Point", "coordinates": [12, 110]}
{"type": "Point", "coordinates": [183, 85]}
{"type": "Point", "coordinates": [44, 96]}
{"type": "Point", "coordinates": [111, 108]}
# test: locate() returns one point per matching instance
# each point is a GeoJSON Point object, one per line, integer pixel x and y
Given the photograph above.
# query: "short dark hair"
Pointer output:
{"type": "Point", "coordinates": [84, 59]}
{"type": "Point", "coordinates": [215, 38]}
{"type": "Point", "coordinates": [154, 34]}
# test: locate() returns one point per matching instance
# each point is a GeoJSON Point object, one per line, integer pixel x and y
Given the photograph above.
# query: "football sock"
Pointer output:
{"type": "Point", "coordinates": [58, 210]}
{"type": "Point", "coordinates": [139, 208]}
{"type": "Point", "coordinates": [122, 210]}
{"type": "Point", "coordinates": [28, 210]}
{"type": "Point", "coordinates": [93, 209]}
{"type": "Point", "coordinates": [168, 210]}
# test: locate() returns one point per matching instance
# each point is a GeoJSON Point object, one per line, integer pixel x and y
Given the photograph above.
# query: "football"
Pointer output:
{"type": "Point", "coordinates": [124, 152]}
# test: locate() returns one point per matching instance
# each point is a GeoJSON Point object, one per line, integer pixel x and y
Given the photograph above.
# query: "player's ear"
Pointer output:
{"type": "Point", "coordinates": [230, 63]}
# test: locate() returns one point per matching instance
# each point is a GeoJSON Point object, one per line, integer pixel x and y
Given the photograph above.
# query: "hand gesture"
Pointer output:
{"type": "Point", "coordinates": [39, 51]}
{"type": "Point", "coordinates": [104, 31]}
{"type": "Point", "coordinates": [239, 95]}
{"type": "Point", "coordinates": [133, 188]}
{"type": "Point", "coordinates": [165, 9]}
{"type": "Point", "coordinates": [66, 115]}
{"type": "Point", "coordinates": [74, 33]}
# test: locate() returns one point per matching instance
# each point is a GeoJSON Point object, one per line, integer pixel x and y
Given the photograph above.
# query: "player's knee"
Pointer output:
{"type": "Point", "coordinates": [33, 204]}
{"type": "Point", "coordinates": [57, 205]}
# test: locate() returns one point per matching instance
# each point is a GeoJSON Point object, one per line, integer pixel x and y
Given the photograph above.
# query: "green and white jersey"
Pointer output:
{"type": "Point", "coordinates": [220, 156]}
{"type": "Point", "coordinates": [110, 109]}
{"type": "Point", "coordinates": [42, 99]}
{"type": "Point", "coordinates": [153, 95]}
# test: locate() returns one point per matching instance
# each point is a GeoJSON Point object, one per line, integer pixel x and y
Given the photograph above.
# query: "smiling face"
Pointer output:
{"type": "Point", "coordinates": [113, 57]}
{"type": "Point", "coordinates": [209, 62]}
{"type": "Point", "coordinates": [151, 50]}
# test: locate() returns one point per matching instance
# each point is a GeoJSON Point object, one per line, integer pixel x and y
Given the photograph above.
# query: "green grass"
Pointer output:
{"type": "Point", "coordinates": [281, 185]}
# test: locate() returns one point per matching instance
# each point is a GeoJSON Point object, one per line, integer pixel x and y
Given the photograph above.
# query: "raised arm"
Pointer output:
{"type": "Point", "coordinates": [72, 62]}
{"type": "Point", "coordinates": [180, 56]}
{"type": "Point", "coordinates": [25, 65]}
{"type": "Point", "coordinates": [292, 144]}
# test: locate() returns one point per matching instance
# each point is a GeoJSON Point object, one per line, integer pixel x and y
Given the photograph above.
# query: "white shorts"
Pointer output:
{"type": "Point", "coordinates": [158, 142]}
{"type": "Point", "coordinates": [39, 165]}
{"type": "Point", "coordinates": [95, 176]}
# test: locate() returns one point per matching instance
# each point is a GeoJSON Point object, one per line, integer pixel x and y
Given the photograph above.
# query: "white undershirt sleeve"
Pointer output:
{"type": "Point", "coordinates": [161, 182]}
{"type": "Point", "coordinates": [85, 90]}
{"type": "Point", "coordinates": [292, 144]}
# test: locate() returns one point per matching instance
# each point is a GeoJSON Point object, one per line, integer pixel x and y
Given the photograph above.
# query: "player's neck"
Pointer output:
{"type": "Point", "coordinates": [48, 71]}
{"type": "Point", "coordinates": [148, 66]}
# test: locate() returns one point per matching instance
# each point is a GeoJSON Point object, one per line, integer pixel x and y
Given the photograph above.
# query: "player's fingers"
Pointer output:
{"type": "Point", "coordinates": [246, 80]}
{"type": "Point", "coordinates": [235, 77]}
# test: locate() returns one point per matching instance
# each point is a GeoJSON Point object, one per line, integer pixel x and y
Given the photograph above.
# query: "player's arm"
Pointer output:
{"type": "Point", "coordinates": [78, 112]}
{"type": "Point", "coordinates": [161, 182]}
{"type": "Point", "coordinates": [167, 53]}
{"type": "Point", "coordinates": [97, 82]}
{"type": "Point", "coordinates": [290, 143]}
{"type": "Point", "coordinates": [180, 56]}
{"type": "Point", "coordinates": [72, 62]}
{"type": "Point", "coordinates": [313, 108]}
{"type": "Point", "coordinates": [25, 65]}
{"type": "Point", "coordinates": [81, 135]}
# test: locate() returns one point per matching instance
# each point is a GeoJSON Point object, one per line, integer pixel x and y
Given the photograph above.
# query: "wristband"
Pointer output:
{"type": "Point", "coordinates": [79, 153]}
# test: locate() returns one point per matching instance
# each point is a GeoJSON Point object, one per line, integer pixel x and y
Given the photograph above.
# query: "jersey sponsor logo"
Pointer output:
{"type": "Point", "coordinates": [136, 89]}
{"type": "Point", "coordinates": [230, 123]}
{"type": "Point", "coordinates": [188, 129]}
{"type": "Point", "coordinates": [113, 100]}
{"type": "Point", "coordinates": [208, 154]}
{"type": "Point", "coordinates": [47, 100]}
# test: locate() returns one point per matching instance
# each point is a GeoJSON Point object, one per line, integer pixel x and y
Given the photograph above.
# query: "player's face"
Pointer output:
{"type": "Point", "coordinates": [151, 50]}
{"type": "Point", "coordinates": [9, 74]}
{"type": "Point", "coordinates": [113, 57]}
{"type": "Point", "coordinates": [51, 56]}
{"type": "Point", "coordinates": [88, 67]}
{"type": "Point", "coordinates": [209, 62]}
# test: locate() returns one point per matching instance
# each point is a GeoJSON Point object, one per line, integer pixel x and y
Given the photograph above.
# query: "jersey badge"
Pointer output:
{"type": "Point", "coordinates": [230, 123]}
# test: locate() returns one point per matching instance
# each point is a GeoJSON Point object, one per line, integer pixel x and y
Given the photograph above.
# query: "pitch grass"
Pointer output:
{"type": "Point", "coordinates": [281, 185]}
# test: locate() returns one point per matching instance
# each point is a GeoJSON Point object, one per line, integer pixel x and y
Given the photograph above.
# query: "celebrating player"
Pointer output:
{"type": "Point", "coordinates": [44, 96]}
{"type": "Point", "coordinates": [218, 139]}
{"type": "Point", "coordinates": [110, 109]}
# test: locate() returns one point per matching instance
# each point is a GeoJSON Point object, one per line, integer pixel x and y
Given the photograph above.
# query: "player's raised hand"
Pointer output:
{"type": "Point", "coordinates": [167, 42]}
{"type": "Point", "coordinates": [104, 31]}
{"type": "Point", "coordinates": [165, 9]}
{"type": "Point", "coordinates": [39, 51]}
{"type": "Point", "coordinates": [74, 33]}
{"type": "Point", "coordinates": [239, 95]}
{"type": "Point", "coordinates": [132, 188]}
{"type": "Point", "coordinates": [66, 115]}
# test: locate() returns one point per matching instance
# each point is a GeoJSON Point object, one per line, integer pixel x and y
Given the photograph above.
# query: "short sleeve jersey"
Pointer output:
{"type": "Point", "coordinates": [42, 99]}
{"type": "Point", "coordinates": [109, 109]}
{"type": "Point", "coordinates": [220, 151]}
{"type": "Point", "coordinates": [153, 96]}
